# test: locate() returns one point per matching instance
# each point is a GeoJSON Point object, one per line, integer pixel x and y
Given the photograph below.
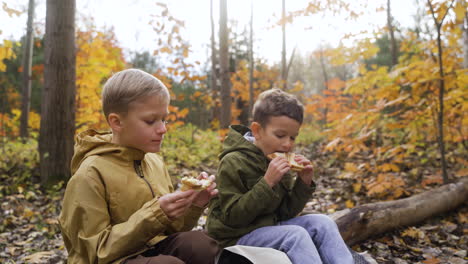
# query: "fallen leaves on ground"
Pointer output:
{"type": "Point", "coordinates": [29, 231]}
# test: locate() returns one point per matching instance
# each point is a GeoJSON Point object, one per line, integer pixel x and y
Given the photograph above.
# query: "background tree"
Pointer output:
{"type": "Point", "coordinates": [251, 63]}
{"type": "Point", "coordinates": [283, 50]}
{"type": "Point", "coordinates": [438, 21]}
{"type": "Point", "coordinates": [224, 66]}
{"type": "Point", "coordinates": [27, 72]}
{"type": "Point", "coordinates": [58, 98]}
{"type": "Point", "coordinates": [391, 31]}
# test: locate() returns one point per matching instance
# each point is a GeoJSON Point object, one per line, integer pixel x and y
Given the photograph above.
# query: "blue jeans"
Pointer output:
{"type": "Point", "coordinates": [305, 239]}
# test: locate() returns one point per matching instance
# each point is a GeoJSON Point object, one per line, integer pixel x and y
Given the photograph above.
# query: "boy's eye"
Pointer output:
{"type": "Point", "coordinates": [280, 136]}
{"type": "Point", "coordinates": [151, 122]}
{"type": "Point", "coordinates": [293, 138]}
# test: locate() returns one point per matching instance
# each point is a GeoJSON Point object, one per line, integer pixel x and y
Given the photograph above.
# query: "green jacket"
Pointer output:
{"type": "Point", "coordinates": [245, 201]}
{"type": "Point", "coordinates": [111, 210]}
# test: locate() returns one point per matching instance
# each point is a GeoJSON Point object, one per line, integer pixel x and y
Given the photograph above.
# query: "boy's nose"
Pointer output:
{"type": "Point", "coordinates": [161, 128]}
{"type": "Point", "coordinates": [288, 144]}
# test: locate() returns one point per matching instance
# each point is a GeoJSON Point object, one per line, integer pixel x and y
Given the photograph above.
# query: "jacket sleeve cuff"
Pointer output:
{"type": "Point", "coordinates": [303, 189]}
{"type": "Point", "coordinates": [159, 214]}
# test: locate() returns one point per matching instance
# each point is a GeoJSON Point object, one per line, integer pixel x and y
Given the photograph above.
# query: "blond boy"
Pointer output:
{"type": "Point", "coordinates": [120, 205]}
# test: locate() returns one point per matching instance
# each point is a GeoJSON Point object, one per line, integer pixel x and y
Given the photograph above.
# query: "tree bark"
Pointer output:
{"type": "Point", "coordinates": [251, 65]}
{"type": "Point", "coordinates": [362, 222]}
{"type": "Point", "coordinates": [325, 88]}
{"type": "Point", "coordinates": [393, 46]}
{"type": "Point", "coordinates": [283, 52]}
{"type": "Point", "coordinates": [214, 68]}
{"type": "Point", "coordinates": [465, 40]}
{"type": "Point", "coordinates": [226, 99]}
{"type": "Point", "coordinates": [58, 97]}
{"type": "Point", "coordinates": [440, 124]}
{"type": "Point", "coordinates": [27, 72]}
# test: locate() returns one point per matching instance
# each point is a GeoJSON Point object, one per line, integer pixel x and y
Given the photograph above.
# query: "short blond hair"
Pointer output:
{"type": "Point", "coordinates": [275, 102]}
{"type": "Point", "coordinates": [128, 86]}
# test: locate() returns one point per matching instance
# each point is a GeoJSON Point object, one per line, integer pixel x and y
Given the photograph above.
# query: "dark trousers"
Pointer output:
{"type": "Point", "coordinates": [193, 247]}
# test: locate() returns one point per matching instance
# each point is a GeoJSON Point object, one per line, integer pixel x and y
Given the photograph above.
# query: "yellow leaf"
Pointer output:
{"type": "Point", "coordinates": [411, 232]}
{"type": "Point", "coordinates": [459, 11]}
{"type": "Point", "coordinates": [165, 50]}
{"type": "Point", "coordinates": [350, 167]}
{"type": "Point", "coordinates": [10, 11]}
{"type": "Point", "coordinates": [349, 204]}
{"type": "Point", "coordinates": [28, 213]}
{"type": "Point", "coordinates": [357, 187]}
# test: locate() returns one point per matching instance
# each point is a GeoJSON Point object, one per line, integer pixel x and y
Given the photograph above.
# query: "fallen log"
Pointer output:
{"type": "Point", "coordinates": [364, 221]}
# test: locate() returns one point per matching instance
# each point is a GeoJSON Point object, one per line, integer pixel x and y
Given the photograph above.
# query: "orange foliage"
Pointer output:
{"type": "Point", "coordinates": [385, 113]}
{"type": "Point", "coordinates": [98, 56]}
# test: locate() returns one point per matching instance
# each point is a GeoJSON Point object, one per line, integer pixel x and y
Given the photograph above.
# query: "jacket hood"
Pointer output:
{"type": "Point", "coordinates": [91, 142]}
{"type": "Point", "coordinates": [235, 141]}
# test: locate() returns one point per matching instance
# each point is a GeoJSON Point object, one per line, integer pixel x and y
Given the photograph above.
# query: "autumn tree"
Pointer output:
{"type": "Point", "coordinates": [171, 46]}
{"type": "Point", "coordinates": [283, 50]}
{"type": "Point", "coordinates": [391, 32]}
{"type": "Point", "coordinates": [214, 80]}
{"type": "Point", "coordinates": [58, 98]}
{"type": "Point", "coordinates": [224, 66]}
{"type": "Point", "coordinates": [27, 70]}
{"type": "Point", "coordinates": [251, 64]}
{"type": "Point", "coordinates": [97, 57]}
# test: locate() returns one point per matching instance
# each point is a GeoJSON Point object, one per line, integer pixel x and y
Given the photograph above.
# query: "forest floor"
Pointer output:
{"type": "Point", "coordinates": [29, 231]}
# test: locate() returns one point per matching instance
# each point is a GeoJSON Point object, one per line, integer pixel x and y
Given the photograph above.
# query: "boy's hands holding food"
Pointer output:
{"type": "Point", "coordinates": [175, 204]}
{"type": "Point", "coordinates": [198, 191]}
{"type": "Point", "coordinates": [282, 162]}
{"type": "Point", "coordinates": [307, 173]}
{"type": "Point", "coordinates": [276, 169]}
{"type": "Point", "coordinates": [204, 186]}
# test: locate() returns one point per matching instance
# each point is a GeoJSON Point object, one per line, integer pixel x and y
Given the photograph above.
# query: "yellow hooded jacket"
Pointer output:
{"type": "Point", "coordinates": [110, 210]}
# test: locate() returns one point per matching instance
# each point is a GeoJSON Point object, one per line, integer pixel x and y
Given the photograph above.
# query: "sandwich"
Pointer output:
{"type": "Point", "coordinates": [289, 156]}
{"type": "Point", "coordinates": [190, 183]}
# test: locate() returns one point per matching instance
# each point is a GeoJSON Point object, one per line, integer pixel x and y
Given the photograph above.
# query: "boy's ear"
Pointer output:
{"type": "Point", "coordinates": [115, 122]}
{"type": "Point", "coordinates": [255, 127]}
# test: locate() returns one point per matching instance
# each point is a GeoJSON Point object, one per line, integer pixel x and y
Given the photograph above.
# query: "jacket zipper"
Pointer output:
{"type": "Point", "coordinates": [139, 171]}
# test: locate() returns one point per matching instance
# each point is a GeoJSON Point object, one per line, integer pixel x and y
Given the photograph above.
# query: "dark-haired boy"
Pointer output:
{"type": "Point", "coordinates": [258, 200]}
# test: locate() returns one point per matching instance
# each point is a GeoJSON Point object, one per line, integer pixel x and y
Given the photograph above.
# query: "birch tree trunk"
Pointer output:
{"type": "Point", "coordinates": [226, 100]}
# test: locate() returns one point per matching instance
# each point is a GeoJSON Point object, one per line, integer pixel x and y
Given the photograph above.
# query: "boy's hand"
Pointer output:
{"type": "Point", "coordinates": [276, 169]}
{"type": "Point", "coordinates": [307, 174]}
{"type": "Point", "coordinates": [175, 204]}
{"type": "Point", "coordinates": [202, 198]}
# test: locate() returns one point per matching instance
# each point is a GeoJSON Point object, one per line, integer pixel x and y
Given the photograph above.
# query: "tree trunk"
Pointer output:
{"type": "Point", "coordinates": [251, 65]}
{"type": "Point", "coordinates": [325, 88]}
{"type": "Point", "coordinates": [440, 134]}
{"type": "Point", "coordinates": [283, 52]}
{"type": "Point", "coordinates": [214, 68]}
{"type": "Point", "coordinates": [393, 46]}
{"type": "Point", "coordinates": [465, 40]}
{"type": "Point", "coordinates": [27, 64]}
{"type": "Point", "coordinates": [362, 222]}
{"type": "Point", "coordinates": [58, 97]}
{"type": "Point", "coordinates": [226, 100]}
